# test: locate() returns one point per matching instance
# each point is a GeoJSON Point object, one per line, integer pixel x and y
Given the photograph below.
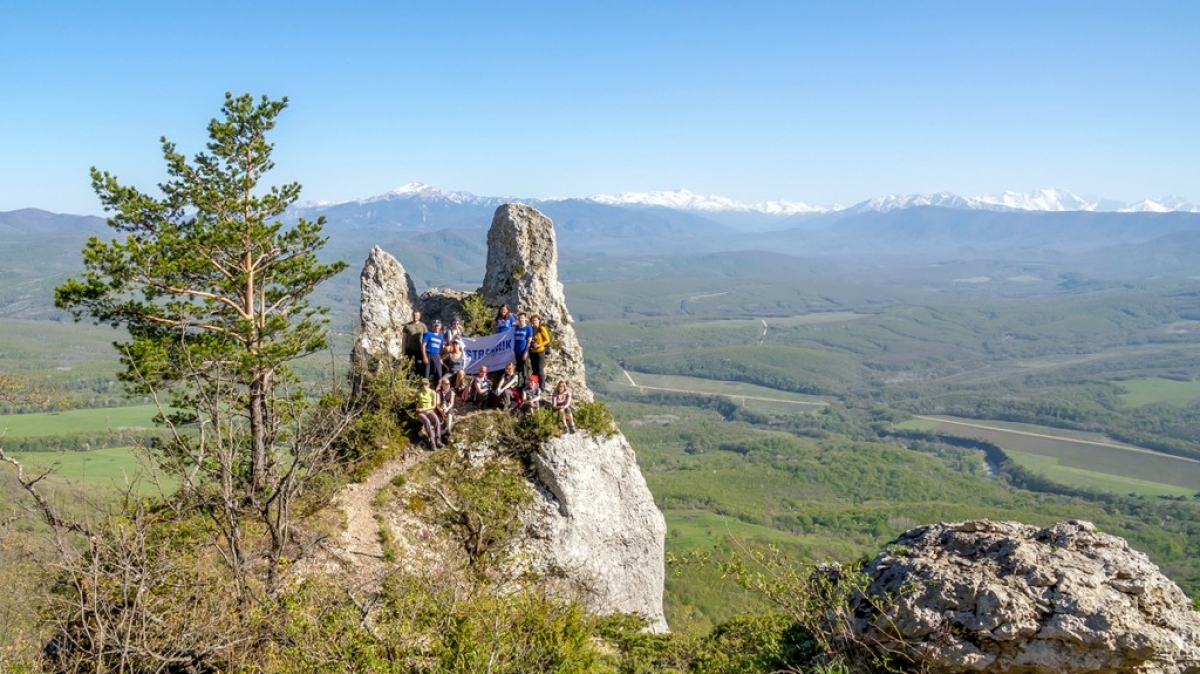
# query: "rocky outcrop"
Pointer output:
{"type": "Point", "coordinates": [522, 271]}
{"type": "Point", "coordinates": [591, 527]}
{"type": "Point", "coordinates": [596, 519]}
{"type": "Point", "coordinates": [387, 302]}
{"type": "Point", "coordinates": [1003, 597]}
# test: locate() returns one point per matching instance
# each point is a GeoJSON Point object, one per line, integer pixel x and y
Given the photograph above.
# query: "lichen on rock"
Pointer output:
{"type": "Point", "coordinates": [1010, 598]}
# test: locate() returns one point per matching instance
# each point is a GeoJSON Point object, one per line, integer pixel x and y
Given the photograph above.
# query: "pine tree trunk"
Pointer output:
{"type": "Point", "coordinates": [258, 431]}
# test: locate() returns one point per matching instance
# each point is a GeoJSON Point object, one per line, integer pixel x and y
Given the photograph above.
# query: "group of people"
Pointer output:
{"type": "Point", "coordinates": [440, 357]}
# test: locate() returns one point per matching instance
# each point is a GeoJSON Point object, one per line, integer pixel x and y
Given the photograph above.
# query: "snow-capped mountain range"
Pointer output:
{"type": "Point", "coordinates": [1039, 200]}
{"type": "Point", "coordinates": [684, 200]}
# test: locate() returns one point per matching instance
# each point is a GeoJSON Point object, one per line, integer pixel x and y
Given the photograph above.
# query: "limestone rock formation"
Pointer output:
{"type": "Point", "coordinates": [597, 520]}
{"type": "Point", "coordinates": [387, 302]}
{"type": "Point", "coordinates": [592, 528]}
{"type": "Point", "coordinates": [522, 271]}
{"type": "Point", "coordinates": [1003, 597]}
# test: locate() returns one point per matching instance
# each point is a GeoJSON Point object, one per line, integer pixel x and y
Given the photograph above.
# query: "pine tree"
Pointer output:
{"type": "Point", "coordinates": [211, 286]}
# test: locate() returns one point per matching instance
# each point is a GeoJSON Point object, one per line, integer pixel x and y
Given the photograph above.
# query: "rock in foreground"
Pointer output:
{"type": "Point", "coordinates": [1004, 597]}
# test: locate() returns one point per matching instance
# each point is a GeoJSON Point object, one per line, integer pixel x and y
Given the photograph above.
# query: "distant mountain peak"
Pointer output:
{"type": "Point", "coordinates": [423, 192]}
{"type": "Point", "coordinates": [1048, 199]}
{"type": "Point", "coordinates": [689, 201]}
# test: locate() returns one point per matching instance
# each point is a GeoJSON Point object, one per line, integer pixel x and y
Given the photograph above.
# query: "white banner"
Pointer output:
{"type": "Point", "coordinates": [494, 351]}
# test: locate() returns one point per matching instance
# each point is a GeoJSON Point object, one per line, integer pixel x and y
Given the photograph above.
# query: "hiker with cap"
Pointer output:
{"type": "Point", "coordinates": [427, 414]}
{"type": "Point", "coordinates": [454, 333]}
{"type": "Point", "coordinates": [431, 351]}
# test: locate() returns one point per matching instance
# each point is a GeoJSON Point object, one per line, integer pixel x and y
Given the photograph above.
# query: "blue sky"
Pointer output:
{"type": "Point", "coordinates": [820, 102]}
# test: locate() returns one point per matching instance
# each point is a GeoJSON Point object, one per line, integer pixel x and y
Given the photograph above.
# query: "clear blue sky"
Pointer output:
{"type": "Point", "coordinates": [819, 102]}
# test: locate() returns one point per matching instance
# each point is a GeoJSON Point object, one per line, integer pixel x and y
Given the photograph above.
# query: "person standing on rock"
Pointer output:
{"type": "Point", "coordinates": [522, 340]}
{"type": "Point", "coordinates": [454, 334]}
{"type": "Point", "coordinates": [561, 401]}
{"type": "Point", "coordinates": [427, 413]}
{"type": "Point", "coordinates": [431, 352]}
{"type": "Point", "coordinates": [411, 334]}
{"type": "Point", "coordinates": [504, 320]}
{"type": "Point", "coordinates": [456, 362]}
{"type": "Point", "coordinates": [537, 348]}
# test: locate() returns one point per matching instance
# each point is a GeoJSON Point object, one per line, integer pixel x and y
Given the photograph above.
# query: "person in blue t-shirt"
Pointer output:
{"type": "Point", "coordinates": [431, 351]}
{"type": "Point", "coordinates": [504, 320]}
{"type": "Point", "coordinates": [522, 339]}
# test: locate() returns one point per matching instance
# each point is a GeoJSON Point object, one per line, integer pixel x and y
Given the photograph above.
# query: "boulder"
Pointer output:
{"type": "Point", "coordinates": [1004, 597]}
{"type": "Point", "coordinates": [522, 271]}
{"type": "Point", "coordinates": [597, 522]}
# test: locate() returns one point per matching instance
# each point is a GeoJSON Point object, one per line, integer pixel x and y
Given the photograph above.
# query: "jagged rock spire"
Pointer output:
{"type": "Point", "coordinates": [522, 271]}
{"type": "Point", "coordinates": [388, 300]}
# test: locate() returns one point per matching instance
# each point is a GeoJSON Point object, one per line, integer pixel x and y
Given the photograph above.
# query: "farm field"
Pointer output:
{"type": "Point", "coordinates": [740, 390]}
{"type": "Point", "coordinates": [1034, 430]}
{"type": "Point", "coordinates": [114, 467]}
{"type": "Point", "coordinates": [1128, 467]}
{"type": "Point", "coordinates": [814, 318]}
{"type": "Point", "coordinates": [1050, 468]}
{"type": "Point", "coordinates": [1150, 390]}
{"type": "Point", "coordinates": [138, 417]}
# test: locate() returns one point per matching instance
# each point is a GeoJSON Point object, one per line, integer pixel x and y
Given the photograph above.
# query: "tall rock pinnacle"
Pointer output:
{"type": "Point", "coordinates": [522, 271]}
{"type": "Point", "coordinates": [388, 300]}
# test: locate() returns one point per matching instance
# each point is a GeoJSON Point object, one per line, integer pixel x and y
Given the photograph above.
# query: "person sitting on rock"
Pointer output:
{"type": "Point", "coordinates": [480, 388]}
{"type": "Point", "coordinates": [445, 406]}
{"type": "Point", "coordinates": [561, 401]}
{"type": "Point", "coordinates": [531, 394]}
{"type": "Point", "coordinates": [507, 394]}
{"type": "Point", "coordinates": [427, 413]}
{"type": "Point", "coordinates": [504, 320]}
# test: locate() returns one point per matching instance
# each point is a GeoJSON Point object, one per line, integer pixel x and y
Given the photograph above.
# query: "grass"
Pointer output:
{"type": "Point", "coordinates": [1017, 427]}
{"type": "Point", "coordinates": [1128, 469]}
{"type": "Point", "coordinates": [1141, 392]}
{"type": "Point", "coordinates": [114, 467]}
{"type": "Point", "coordinates": [76, 421]}
{"type": "Point", "coordinates": [1050, 468]}
{"type": "Point", "coordinates": [732, 389]}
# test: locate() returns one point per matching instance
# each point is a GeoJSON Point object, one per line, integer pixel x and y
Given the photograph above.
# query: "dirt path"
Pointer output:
{"type": "Point", "coordinates": [360, 541]}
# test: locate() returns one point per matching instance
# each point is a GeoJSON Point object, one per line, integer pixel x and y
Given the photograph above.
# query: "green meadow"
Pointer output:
{"type": "Point", "coordinates": [116, 467]}
{"type": "Point", "coordinates": [742, 391]}
{"type": "Point", "coordinates": [1110, 466]}
{"type": "Point", "coordinates": [1139, 392]}
{"type": "Point", "coordinates": [134, 418]}
{"type": "Point", "coordinates": [1052, 468]}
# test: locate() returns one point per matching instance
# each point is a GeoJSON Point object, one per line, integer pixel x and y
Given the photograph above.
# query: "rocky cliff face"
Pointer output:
{"type": "Point", "coordinates": [590, 526]}
{"type": "Point", "coordinates": [1003, 597]}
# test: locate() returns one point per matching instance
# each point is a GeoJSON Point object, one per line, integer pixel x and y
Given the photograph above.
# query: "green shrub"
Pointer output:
{"type": "Point", "coordinates": [478, 319]}
{"type": "Point", "coordinates": [595, 418]}
{"type": "Point", "coordinates": [536, 427]}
